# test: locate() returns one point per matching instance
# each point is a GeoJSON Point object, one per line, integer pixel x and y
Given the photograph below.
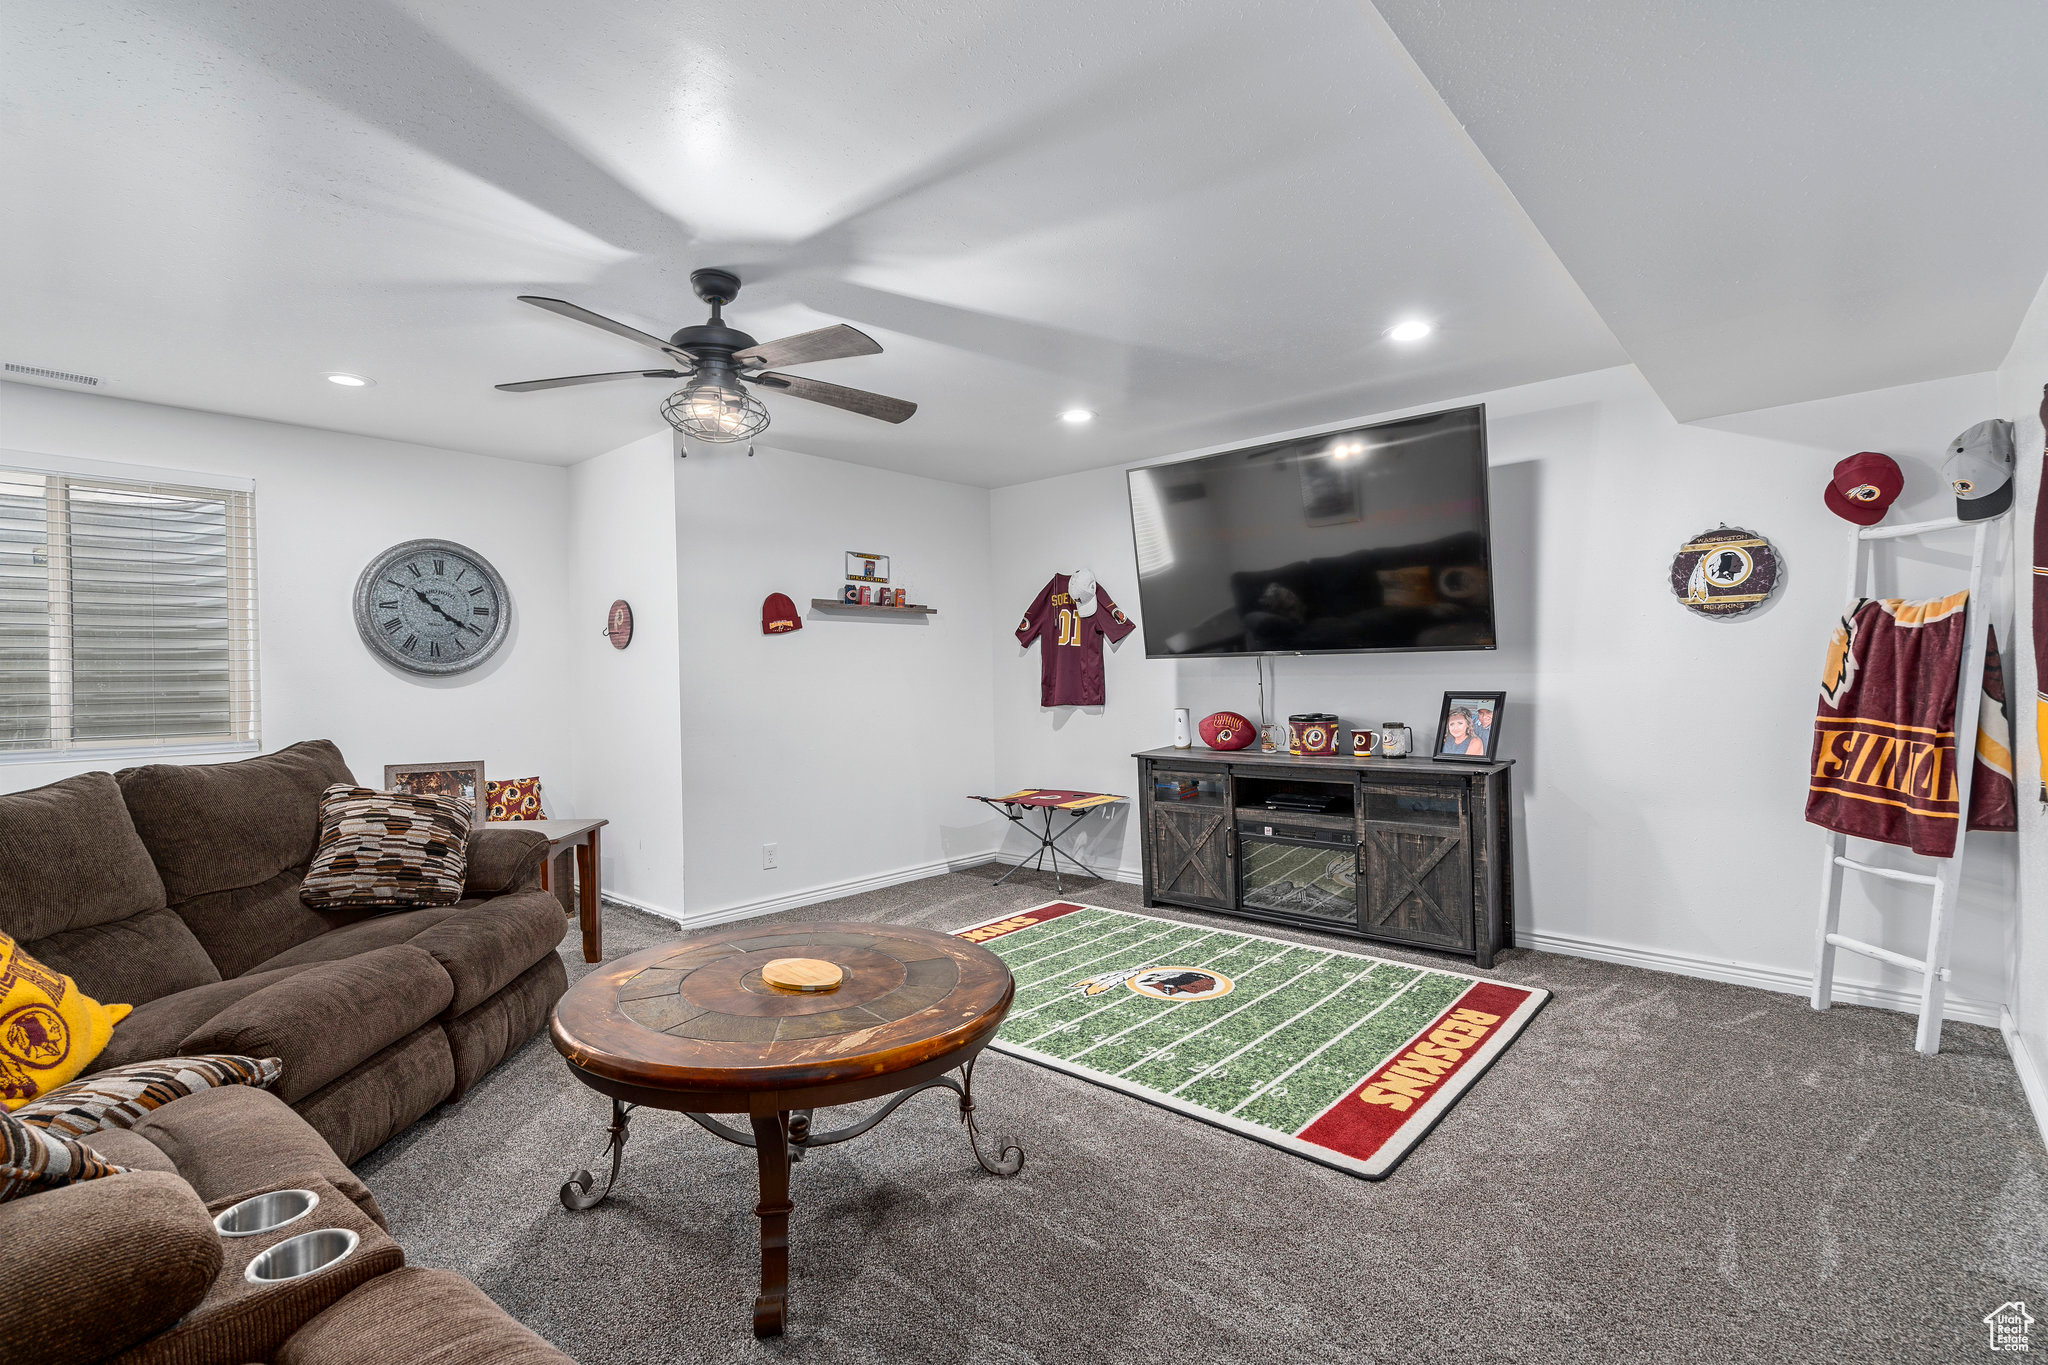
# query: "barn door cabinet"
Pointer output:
{"type": "Point", "coordinates": [1408, 850]}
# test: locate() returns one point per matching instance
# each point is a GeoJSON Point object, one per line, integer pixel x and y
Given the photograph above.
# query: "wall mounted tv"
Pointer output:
{"type": "Point", "coordinates": [1373, 538]}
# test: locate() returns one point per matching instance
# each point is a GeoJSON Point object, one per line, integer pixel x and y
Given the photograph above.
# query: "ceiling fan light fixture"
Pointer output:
{"type": "Point", "coordinates": [710, 411]}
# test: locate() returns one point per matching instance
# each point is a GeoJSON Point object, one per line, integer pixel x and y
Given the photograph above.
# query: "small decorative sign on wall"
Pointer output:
{"type": "Point", "coordinates": [866, 568]}
{"type": "Point", "coordinates": [618, 624]}
{"type": "Point", "coordinates": [1724, 572]}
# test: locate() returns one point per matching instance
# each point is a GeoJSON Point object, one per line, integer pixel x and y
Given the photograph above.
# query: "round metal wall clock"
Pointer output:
{"type": "Point", "coordinates": [1724, 572]}
{"type": "Point", "coordinates": [432, 606]}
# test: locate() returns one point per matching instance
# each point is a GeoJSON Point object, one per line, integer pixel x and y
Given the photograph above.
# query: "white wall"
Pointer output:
{"type": "Point", "coordinates": [2019, 400]}
{"type": "Point", "coordinates": [625, 721]}
{"type": "Point", "coordinates": [326, 503]}
{"type": "Point", "coordinates": [1671, 839]}
{"type": "Point", "coordinates": [852, 744]}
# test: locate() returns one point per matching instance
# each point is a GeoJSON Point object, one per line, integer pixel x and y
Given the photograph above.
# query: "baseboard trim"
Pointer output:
{"type": "Point", "coordinates": [1958, 1008]}
{"type": "Point", "coordinates": [811, 895]}
{"type": "Point", "coordinates": [2032, 1081]}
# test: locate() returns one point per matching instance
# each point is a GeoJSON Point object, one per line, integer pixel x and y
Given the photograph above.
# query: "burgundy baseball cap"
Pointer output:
{"type": "Point", "coordinates": [1863, 487]}
{"type": "Point", "coordinates": [778, 614]}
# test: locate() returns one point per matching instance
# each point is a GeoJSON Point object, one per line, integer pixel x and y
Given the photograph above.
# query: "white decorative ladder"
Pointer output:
{"type": "Point", "coordinates": [1947, 877]}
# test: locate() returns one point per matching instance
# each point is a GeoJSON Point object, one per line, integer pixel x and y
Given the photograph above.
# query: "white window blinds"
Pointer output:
{"type": "Point", "coordinates": [127, 615]}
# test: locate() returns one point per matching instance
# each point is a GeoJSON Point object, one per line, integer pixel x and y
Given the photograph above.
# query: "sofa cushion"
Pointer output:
{"type": "Point", "coordinates": [485, 946]}
{"type": "Point", "coordinates": [414, 1314]}
{"type": "Point", "coordinates": [235, 1139]}
{"type": "Point", "coordinates": [384, 1096]}
{"type": "Point", "coordinates": [325, 1020]}
{"type": "Point", "coordinates": [120, 1097]}
{"type": "Point", "coordinates": [70, 858]}
{"type": "Point", "coordinates": [33, 1159]}
{"type": "Point", "coordinates": [89, 1270]}
{"type": "Point", "coordinates": [213, 826]}
{"type": "Point", "coordinates": [142, 958]}
{"type": "Point", "coordinates": [245, 926]}
{"type": "Point", "coordinates": [388, 848]}
{"type": "Point", "coordinates": [50, 1030]}
{"type": "Point", "coordinates": [374, 931]}
{"type": "Point", "coordinates": [160, 1027]}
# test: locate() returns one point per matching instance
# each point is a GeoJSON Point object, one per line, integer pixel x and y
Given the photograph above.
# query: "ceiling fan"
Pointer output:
{"type": "Point", "coordinates": [718, 361]}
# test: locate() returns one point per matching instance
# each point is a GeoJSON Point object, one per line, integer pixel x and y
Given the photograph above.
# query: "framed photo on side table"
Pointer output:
{"type": "Point", "coordinates": [462, 780]}
{"type": "Point", "coordinates": [1468, 731]}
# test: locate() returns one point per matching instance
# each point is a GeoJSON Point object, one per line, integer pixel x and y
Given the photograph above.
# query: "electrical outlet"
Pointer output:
{"type": "Point", "coordinates": [767, 856]}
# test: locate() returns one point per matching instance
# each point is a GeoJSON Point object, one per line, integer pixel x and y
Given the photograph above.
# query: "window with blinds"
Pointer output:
{"type": "Point", "coordinates": [127, 615]}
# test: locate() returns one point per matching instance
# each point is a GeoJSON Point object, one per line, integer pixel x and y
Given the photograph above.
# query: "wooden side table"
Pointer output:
{"type": "Point", "coordinates": [581, 836]}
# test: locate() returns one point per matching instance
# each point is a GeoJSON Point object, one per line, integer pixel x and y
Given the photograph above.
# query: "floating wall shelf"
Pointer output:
{"type": "Point", "coordinates": [851, 608]}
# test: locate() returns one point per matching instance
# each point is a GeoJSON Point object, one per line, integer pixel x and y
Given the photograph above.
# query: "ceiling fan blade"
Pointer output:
{"type": "Point", "coordinates": [827, 343]}
{"type": "Point", "coordinates": [528, 386]}
{"type": "Point", "coordinates": [837, 396]}
{"type": "Point", "coordinates": [570, 310]}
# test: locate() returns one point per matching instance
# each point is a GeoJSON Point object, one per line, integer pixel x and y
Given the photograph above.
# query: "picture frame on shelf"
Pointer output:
{"type": "Point", "coordinates": [464, 781]}
{"type": "Point", "coordinates": [1468, 727]}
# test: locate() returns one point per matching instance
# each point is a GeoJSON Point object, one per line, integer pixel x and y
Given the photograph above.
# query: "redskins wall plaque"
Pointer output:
{"type": "Point", "coordinates": [1724, 572]}
{"type": "Point", "coordinates": [618, 624]}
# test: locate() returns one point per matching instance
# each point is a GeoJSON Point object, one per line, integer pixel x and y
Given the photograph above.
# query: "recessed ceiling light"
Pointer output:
{"type": "Point", "coordinates": [1414, 329]}
{"type": "Point", "coordinates": [350, 381]}
{"type": "Point", "coordinates": [1077, 416]}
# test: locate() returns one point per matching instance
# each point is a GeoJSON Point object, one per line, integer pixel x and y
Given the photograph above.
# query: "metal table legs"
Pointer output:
{"type": "Point", "coordinates": [780, 1138]}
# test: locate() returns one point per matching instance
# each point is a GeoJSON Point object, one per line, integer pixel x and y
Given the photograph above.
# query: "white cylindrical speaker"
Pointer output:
{"type": "Point", "coordinates": [1183, 738]}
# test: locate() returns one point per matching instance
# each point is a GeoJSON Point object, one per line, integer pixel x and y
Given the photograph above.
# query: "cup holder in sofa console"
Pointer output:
{"type": "Point", "coordinates": [265, 1213]}
{"type": "Point", "coordinates": [296, 1257]}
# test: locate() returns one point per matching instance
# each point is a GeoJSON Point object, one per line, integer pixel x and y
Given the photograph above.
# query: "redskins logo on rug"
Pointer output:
{"type": "Point", "coordinates": [1162, 983]}
{"type": "Point", "coordinates": [1724, 572]}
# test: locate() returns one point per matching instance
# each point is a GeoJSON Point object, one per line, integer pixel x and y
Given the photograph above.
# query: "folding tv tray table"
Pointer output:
{"type": "Point", "coordinates": [1016, 808]}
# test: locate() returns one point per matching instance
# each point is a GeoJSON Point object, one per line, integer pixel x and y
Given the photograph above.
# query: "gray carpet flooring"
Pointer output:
{"type": "Point", "coordinates": [1659, 1169]}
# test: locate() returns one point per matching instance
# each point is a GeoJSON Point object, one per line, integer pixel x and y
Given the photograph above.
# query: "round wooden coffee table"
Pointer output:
{"type": "Point", "coordinates": [867, 1010]}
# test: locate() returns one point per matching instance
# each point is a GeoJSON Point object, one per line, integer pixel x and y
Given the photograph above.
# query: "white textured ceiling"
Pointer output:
{"type": "Point", "coordinates": [1767, 201]}
{"type": "Point", "coordinates": [1195, 217]}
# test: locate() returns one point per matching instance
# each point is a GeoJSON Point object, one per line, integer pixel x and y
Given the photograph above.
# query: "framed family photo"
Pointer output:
{"type": "Point", "coordinates": [464, 781]}
{"type": "Point", "coordinates": [1468, 731]}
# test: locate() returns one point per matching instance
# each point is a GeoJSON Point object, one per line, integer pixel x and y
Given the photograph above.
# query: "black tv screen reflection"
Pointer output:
{"type": "Point", "coordinates": [1373, 538]}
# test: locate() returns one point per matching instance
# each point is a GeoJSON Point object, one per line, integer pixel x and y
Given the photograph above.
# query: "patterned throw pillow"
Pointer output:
{"type": "Point", "coordinates": [122, 1096]}
{"type": "Point", "coordinates": [49, 1029]}
{"type": "Point", "coordinates": [32, 1160]}
{"type": "Point", "coordinates": [518, 799]}
{"type": "Point", "coordinates": [390, 849]}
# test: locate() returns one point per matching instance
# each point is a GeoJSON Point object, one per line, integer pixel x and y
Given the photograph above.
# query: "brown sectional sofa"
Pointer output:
{"type": "Point", "coordinates": [175, 889]}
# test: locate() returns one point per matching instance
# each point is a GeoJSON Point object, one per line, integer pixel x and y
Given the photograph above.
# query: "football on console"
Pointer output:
{"type": "Point", "coordinates": [1227, 730]}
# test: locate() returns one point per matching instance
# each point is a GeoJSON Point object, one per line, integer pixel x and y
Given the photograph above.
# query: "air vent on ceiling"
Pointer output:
{"type": "Point", "coordinates": [64, 375]}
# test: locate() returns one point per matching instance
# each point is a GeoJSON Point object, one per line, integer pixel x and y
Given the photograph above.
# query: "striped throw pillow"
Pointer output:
{"type": "Point", "coordinates": [33, 1160]}
{"type": "Point", "coordinates": [121, 1096]}
{"type": "Point", "coordinates": [391, 849]}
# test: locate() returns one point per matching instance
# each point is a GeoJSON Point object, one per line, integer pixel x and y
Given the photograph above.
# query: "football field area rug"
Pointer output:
{"type": "Point", "coordinates": [1339, 1057]}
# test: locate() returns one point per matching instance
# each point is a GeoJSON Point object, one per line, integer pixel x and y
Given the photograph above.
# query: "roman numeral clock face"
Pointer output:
{"type": "Point", "coordinates": [432, 606]}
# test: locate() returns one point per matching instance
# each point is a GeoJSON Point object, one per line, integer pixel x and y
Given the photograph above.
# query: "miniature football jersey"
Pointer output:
{"type": "Point", "coordinates": [1070, 644]}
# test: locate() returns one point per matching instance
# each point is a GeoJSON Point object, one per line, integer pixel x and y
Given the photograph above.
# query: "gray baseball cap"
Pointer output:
{"type": "Point", "coordinates": [1979, 468]}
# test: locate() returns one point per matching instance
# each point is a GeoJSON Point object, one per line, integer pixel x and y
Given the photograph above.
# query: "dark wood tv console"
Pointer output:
{"type": "Point", "coordinates": [1409, 850]}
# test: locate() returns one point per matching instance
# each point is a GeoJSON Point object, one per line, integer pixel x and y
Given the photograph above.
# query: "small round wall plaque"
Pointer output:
{"type": "Point", "coordinates": [1724, 572]}
{"type": "Point", "coordinates": [618, 624]}
{"type": "Point", "coordinates": [803, 974]}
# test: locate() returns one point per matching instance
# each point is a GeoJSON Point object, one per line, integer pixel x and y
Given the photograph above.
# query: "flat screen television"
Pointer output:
{"type": "Point", "coordinates": [1372, 538]}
